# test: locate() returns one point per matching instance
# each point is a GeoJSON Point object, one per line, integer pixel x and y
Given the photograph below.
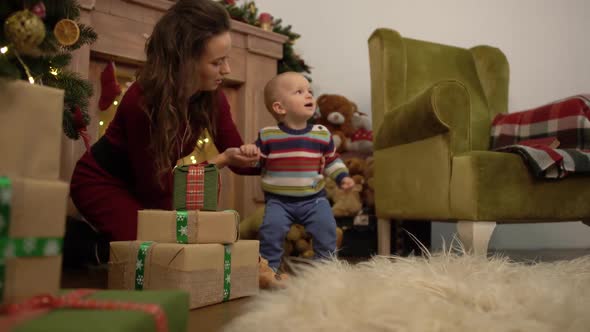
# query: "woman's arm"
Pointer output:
{"type": "Point", "coordinates": [227, 139]}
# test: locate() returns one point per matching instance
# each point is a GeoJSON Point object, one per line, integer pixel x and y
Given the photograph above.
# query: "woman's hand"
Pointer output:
{"type": "Point", "coordinates": [234, 157]}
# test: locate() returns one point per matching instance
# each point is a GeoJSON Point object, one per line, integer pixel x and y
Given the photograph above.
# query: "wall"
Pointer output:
{"type": "Point", "coordinates": [546, 43]}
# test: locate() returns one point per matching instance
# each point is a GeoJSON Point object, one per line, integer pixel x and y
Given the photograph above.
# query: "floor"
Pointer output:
{"type": "Point", "coordinates": [542, 255]}
{"type": "Point", "coordinates": [213, 318]}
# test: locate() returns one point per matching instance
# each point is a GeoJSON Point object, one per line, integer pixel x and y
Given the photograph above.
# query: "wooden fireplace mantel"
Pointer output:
{"type": "Point", "coordinates": [123, 27]}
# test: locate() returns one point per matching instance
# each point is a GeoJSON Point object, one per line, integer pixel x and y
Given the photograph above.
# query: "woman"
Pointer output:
{"type": "Point", "coordinates": [175, 99]}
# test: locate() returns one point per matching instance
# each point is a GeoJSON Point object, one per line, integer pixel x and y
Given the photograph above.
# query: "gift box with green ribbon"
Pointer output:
{"type": "Point", "coordinates": [30, 130]}
{"type": "Point", "coordinates": [188, 226]}
{"type": "Point", "coordinates": [210, 273]}
{"type": "Point", "coordinates": [32, 222]}
{"type": "Point", "coordinates": [99, 311]}
{"type": "Point", "coordinates": [196, 187]}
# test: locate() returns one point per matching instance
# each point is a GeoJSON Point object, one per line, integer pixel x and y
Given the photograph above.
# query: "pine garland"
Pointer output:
{"type": "Point", "coordinates": [47, 65]}
{"type": "Point", "coordinates": [247, 12]}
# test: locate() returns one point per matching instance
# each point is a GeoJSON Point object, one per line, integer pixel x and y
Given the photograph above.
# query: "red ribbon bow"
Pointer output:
{"type": "Point", "coordinates": [42, 304]}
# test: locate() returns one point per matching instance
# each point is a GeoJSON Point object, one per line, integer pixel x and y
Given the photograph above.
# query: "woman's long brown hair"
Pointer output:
{"type": "Point", "coordinates": [170, 73]}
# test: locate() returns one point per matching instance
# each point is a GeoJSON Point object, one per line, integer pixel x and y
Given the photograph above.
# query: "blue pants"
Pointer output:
{"type": "Point", "coordinates": [314, 213]}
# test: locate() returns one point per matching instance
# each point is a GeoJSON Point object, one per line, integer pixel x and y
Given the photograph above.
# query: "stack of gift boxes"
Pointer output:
{"type": "Point", "coordinates": [187, 253]}
{"type": "Point", "coordinates": [33, 205]}
{"type": "Point", "coordinates": [32, 199]}
{"type": "Point", "coordinates": [194, 247]}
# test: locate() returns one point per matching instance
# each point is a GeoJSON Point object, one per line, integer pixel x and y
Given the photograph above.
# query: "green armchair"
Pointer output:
{"type": "Point", "coordinates": [432, 107]}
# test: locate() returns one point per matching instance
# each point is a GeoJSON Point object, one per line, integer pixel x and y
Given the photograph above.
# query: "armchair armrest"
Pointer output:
{"type": "Point", "coordinates": [442, 108]}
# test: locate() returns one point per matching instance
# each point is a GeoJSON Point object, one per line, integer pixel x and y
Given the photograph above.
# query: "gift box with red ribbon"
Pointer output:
{"type": "Point", "coordinates": [196, 187]}
{"type": "Point", "coordinates": [98, 311]}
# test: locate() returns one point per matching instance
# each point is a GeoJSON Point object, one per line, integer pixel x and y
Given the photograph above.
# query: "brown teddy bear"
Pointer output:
{"type": "Point", "coordinates": [359, 179]}
{"type": "Point", "coordinates": [369, 191]}
{"type": "Point", "coordinates": [300, 243]}
{"type": "Point", "coordinates": [346, 203]}
{"type": "Point", "coordinates": [361, 170]}
{"type": "Point", "coordinates": [336, 112]}
{"type": "Point", "coordinates": [356, 166]}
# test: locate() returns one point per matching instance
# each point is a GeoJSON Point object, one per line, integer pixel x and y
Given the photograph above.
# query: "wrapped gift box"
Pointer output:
{"type": "Point", "coordinates": [188, 226]}
{"type": "Point", "coordinates": [37, 207]}
{"type": "Point", "coordinates": [30, 130]}
{"type": "Point", "coordinates": [210, 273]}
{"type": "Point", "coordinates": [32, 221]}
{"type": "Point", "coordinates": [173, 303]}
{"type": "Point", "coordinates": [196, 187]}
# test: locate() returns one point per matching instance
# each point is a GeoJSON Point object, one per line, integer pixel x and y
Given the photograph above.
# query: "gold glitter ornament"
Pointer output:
{"type": "Point", "coordinates": [24, 30]}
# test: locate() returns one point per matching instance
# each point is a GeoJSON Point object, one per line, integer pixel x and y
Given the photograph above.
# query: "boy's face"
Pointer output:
{"type": "Point", "coordinates": [296, 99]}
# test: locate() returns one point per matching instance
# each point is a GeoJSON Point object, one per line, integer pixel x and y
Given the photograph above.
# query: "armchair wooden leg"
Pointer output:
{"type": "Point", "coordinates": [384, 237]}
{"type": "Point", "coordinates": [475, 235]}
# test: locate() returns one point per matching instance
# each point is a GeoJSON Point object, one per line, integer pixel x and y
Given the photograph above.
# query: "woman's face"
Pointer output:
{"type": "Point", "coordinates": [213, 65]}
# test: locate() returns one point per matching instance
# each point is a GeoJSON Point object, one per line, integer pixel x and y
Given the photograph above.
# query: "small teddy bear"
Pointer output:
{"type": "Point", "coordinates": [369, 191]}
{"type": "Point", "coordinates": [355, 166]}
{"type": "Point", "coordinates": [346, 203]}
{"type": "Point", "coordinates": [300, 243]}
{"type": "Point", "coordinates": [362, 138]}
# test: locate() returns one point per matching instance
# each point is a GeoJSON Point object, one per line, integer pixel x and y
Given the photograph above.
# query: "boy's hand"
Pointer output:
{"type": "Point", "coordinates": [250, 150]}
{"type": "Point", "coordinates": [347, 183]}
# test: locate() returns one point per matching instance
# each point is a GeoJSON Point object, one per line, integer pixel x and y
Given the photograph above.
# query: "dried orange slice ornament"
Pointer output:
{"type": "Point", "coordinates": [66, 32]}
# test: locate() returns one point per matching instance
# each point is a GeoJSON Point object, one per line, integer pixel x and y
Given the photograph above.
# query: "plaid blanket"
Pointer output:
{"type": "Point", "coordinates": [536, 135]}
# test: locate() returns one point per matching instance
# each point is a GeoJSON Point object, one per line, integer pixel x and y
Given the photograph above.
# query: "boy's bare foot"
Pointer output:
{"type": "Point", "coordinates": [269, 279]}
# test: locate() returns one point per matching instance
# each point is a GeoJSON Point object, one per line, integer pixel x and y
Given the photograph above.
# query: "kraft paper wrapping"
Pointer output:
{"type": "Point", "coordinates": [195, 268]}
{"type": "Point", "coordinates": [30, 130]}
{"type": "Point", "coordinates": [37, 210]}
{"type": "Point", "coordinates": [29, 276]}
{"type": "Point", "coordinates": [202, 227]}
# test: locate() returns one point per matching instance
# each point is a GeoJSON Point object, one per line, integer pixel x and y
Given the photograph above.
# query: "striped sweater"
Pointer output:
{"type": "Point", "coordinates": [291, 160]}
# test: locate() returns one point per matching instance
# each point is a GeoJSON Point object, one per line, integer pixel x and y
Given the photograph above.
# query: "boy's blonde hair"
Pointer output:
{"type": "Point", "coordinates": [271, 92]}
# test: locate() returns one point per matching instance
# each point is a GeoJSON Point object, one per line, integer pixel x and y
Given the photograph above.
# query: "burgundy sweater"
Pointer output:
{"type": "Point", "coordinates": [129, 136]}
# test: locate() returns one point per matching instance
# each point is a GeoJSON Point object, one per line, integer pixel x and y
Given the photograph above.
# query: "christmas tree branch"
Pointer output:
{"type": "Point", "coordinates": [87, 36]}
{"type": "Point", "coordinates": [248, 13]}
{"type": "Point", "coordinates": [45, 55]}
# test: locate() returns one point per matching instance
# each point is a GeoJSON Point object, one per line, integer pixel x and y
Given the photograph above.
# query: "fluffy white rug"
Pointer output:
{"type": "Point", "coordinates": [447, 292]}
